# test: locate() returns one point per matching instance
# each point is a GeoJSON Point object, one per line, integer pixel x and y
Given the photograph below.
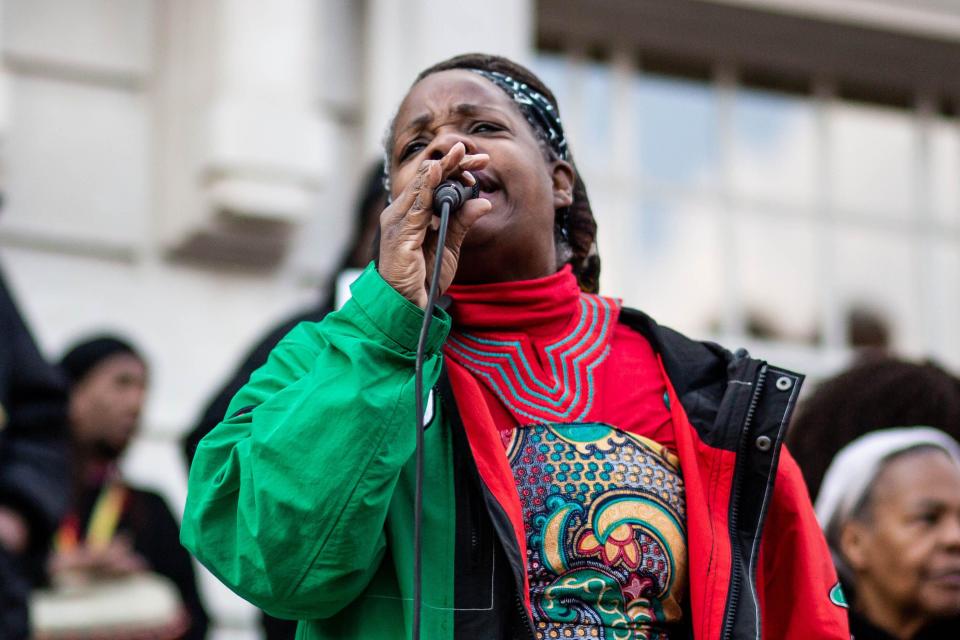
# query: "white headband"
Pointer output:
{"type": "Point", "coordinates": [853, 470]}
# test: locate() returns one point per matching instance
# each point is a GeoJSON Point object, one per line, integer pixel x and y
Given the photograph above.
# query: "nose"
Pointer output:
{"type": "Point", "coordinates": [444, 141]}
{"type": "Point", "coordinates": [951, 532]}
{"type": "Point", "coordinates": [135, 399]}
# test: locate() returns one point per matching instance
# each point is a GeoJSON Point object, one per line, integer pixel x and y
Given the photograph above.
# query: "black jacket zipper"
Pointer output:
{"type": "Point", "coordinates": [736, 579]}
{"type": "Point", "coordinates": [523, 620]}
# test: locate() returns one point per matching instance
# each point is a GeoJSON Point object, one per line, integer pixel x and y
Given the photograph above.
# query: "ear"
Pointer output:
{"type": "Point", "coordinates": [563, 178]}
{"type": "Point", "coordinates": [855, 538]}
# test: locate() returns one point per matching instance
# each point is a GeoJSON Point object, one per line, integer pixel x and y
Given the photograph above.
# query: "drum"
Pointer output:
{"type": "Point", "coordinates": [143, 606]}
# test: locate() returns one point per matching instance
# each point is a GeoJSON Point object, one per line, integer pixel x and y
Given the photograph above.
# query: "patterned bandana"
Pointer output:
{"type": "Point", "coordinates": [537, 109]}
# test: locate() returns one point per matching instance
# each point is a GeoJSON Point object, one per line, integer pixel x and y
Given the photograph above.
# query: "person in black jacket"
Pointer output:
{"type": "Point", "coordinates": [113, 529]}
{"type": "Point", "coordinates": [33, 480]}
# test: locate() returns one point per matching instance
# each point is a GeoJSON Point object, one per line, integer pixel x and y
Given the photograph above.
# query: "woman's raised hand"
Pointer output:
{"type": "Point", "coordinates": [408, 228]}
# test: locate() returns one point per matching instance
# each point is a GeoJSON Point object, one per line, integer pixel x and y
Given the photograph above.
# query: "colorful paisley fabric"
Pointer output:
{"type": "Point", "coordinates": [606, 542]}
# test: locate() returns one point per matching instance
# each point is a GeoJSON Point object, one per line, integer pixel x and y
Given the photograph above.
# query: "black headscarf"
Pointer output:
{"type": "Point", "coordinates": [87, 354]}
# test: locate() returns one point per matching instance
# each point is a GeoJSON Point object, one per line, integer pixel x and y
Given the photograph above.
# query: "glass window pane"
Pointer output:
{"type": "Point", "coordinates": [676, 264]}
{"type": "Point", "coordinates": [584, 93]}
{"type": "Point", "coordinates": [774, 147]}
{"type": "Point", "coordinates": [554, 70]}
{"type": "Point", "coordinates": [877, 271]}
{"type": "Point", "coordinates": [678, 129]}
{"type": "Point", "coordinates": [596, 102]}
{"type": "Point", "coordinates": [777, 276]}
{"type": "Point", "coordinates": [945, 170]}
{"type": "Point", "coordinates": [873, 156]}
{"type": "Point", "coordinates": [945, 290]}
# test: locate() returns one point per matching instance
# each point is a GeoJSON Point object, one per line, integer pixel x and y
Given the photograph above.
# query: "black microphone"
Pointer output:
{"type": "Point", "coordinates": [454, 193]}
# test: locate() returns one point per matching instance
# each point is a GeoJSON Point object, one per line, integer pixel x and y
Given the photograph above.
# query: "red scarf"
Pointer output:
{"type": "Point", "coordinates": [542, 351]}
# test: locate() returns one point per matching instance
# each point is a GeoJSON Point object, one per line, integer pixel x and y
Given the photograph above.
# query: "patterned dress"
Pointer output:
{"type": "Point", "coordinates": [581, 408]}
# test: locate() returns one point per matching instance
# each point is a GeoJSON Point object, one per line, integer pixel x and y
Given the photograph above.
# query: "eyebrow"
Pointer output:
{"type": "Point", "coordinates": [924, 505]}
{"type": "Point", "coordinates": [466, 109]}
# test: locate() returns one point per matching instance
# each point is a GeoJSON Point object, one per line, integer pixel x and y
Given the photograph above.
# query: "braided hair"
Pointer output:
{"type": "Point", "coordinates": [575, 229]}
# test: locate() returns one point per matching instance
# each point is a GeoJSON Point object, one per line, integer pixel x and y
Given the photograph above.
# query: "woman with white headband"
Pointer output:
{"type": "Point", "coordinates": [890, 508]}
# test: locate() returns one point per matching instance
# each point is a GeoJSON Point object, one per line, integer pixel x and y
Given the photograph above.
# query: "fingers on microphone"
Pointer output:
{"type": "Point", "coordinates": [415, 202]}
{"type": "Point", "coordinates": [431, 173]}
{"type": "Point", "coordinates": [474, 161]}
{"type": "Point", "coordinates": [462, 172]}
{"type": "Point", "coordinates": [457, 164]}
{"type": "Point", "coordinates": [474, 209]}
{"type": "Point", "coordinates": [402, 203]}
{"type": "Point", "coordinates": [428, 177]}
{"type": "Point", "coordinates": [471, 211]}
{"type": "Point", "coordinates": [452, 159]}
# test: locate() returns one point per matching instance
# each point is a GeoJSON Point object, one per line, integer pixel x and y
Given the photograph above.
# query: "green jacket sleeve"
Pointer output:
{"type": "Point", "coordinates": [288, 496]}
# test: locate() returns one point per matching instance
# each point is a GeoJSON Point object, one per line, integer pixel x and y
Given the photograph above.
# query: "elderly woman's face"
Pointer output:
{"type": "Point", "coordinates": [906, 555]}
{"type": "Point", "coordinates": [516, 239]}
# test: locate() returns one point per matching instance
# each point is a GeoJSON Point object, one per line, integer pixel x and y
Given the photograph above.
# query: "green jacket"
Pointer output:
{"type": "Point", "coordinates": [301, 501]}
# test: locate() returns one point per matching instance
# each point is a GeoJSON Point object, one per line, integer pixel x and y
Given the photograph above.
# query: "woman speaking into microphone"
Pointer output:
{"type": "Point", "coordinates": [586, 472]}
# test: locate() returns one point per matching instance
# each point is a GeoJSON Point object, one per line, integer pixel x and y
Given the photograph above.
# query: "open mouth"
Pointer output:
{"type": "Point", "coordinates": [947, 577]}
{"type": "Point", "coordinates": [487, 183]}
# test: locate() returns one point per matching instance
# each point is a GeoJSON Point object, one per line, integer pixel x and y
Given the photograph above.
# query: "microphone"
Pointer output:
{"type": "Point", "coordinates": [453, 193]}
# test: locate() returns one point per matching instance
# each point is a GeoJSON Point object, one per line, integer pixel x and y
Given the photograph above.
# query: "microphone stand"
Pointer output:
{"type": "Point", "coordinates": [445, 206]}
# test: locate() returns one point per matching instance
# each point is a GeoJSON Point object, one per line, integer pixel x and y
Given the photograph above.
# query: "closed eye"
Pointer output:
{"type": "Point", "coordinates": [412, 149]}
{"type": "Point", "coordinates": [927, 518]}
{"type": "Point", "coordinates": [486, 127]}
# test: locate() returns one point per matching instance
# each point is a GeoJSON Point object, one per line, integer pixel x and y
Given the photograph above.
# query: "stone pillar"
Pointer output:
{"type": "Point", "coordinates": [249, 145]}
{"type": "Point", "coordinates": [267, 138]}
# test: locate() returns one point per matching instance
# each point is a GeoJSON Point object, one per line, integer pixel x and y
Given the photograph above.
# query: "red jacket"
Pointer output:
{"type": "Point", "coordinates": [758, 563]}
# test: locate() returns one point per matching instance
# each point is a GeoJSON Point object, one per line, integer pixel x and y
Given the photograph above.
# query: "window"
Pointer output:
{"type": "Point", "coordinates": [765, 217]}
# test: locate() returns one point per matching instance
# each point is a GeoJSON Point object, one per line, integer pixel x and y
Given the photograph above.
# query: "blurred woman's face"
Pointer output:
{"type": "Point", "coordinates": [906, 552]}
{"type": "Point", "coordinates": [515, 240]}
{"type": "Point", "coordinates": [105, 405]}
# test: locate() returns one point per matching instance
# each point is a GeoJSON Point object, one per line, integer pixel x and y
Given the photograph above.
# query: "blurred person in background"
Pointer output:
{"type": "Point", "coordinates": [878, 391]}
{"type": "Point", "coordinates": [890, 508]}
{"type": "Point", "coordinates": [33, 464]}
{"type": "Point", "coordinates": [358, 253]}
{"type": "Point", "coordinates": [112, 529]}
